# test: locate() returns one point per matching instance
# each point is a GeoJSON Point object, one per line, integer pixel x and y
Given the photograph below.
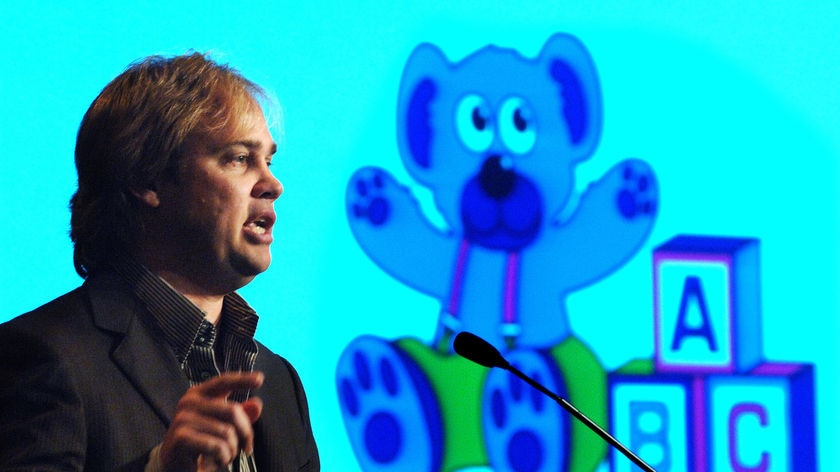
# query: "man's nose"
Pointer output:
{"type": "Point", "coordinates": [268, 187]}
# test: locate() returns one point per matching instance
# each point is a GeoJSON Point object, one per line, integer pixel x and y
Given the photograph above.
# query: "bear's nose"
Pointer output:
{"type": "Point", "coordinates": [495, 179]}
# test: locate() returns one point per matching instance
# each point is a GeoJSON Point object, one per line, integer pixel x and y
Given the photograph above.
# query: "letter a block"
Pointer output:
{"type": "Point", "coordinates": [655, 416]}
{"type": "Point", "coordinates": [763, 421]}
{"type": "Point", "coordinates": [707, 307]}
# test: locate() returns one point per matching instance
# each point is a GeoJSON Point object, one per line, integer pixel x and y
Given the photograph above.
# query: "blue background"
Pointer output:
{"type": "Point", "coordinates": [736, 105]}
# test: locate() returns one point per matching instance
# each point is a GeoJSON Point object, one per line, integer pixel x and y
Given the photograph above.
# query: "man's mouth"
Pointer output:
{"type": "Point", "coordinates": [259, 226]}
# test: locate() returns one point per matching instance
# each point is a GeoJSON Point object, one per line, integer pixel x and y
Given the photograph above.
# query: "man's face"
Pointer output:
{"type": "Point", "coordinates": [219, 212]}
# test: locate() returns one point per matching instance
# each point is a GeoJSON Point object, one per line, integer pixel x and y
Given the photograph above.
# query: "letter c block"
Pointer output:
{"type": "Point", "coordinates": [763, 421]}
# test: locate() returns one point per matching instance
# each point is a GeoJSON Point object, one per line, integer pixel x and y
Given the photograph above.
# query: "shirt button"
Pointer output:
{"type": "Point", "coordinates": [205, 375]}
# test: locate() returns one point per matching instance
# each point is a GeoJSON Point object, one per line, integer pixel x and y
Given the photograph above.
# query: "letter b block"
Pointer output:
{"type": "Point", "coordinates": [654, 416]}
{"type": "Point", "coordinates": [707, 306]}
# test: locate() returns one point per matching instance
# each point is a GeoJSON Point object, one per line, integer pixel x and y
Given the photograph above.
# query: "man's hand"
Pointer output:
{"type": "Point", "coordinates": [208, 431]}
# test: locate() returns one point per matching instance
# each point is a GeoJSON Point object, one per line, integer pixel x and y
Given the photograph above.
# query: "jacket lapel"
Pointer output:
{"type": "Point", "coordinates": [141, 354]}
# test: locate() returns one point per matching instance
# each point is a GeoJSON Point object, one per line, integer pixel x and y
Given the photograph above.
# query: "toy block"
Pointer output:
{"type": "Point", "coordinates": [659, 417]}
{"type": "Point", "coordinates": [763, 421]}
{"type": "Point", "coordinates": [707, 305]}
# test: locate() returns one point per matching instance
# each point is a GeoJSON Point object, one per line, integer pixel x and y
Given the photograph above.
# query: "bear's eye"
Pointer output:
{"type": "Point", "coordinates": [478, 119]}
{"type": "Point", "coordinates": [517, 125]}
{"type": "Point", "coordinates": [473, 122]}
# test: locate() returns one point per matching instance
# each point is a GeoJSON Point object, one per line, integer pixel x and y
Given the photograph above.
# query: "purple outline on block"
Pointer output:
{"type": "Point", "coordinates": [781, 369]}
{"type": "Point", "coordinates": [700, 431]}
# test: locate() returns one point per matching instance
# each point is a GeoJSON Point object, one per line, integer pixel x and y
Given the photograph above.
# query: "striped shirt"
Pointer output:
{"type": "Point", "coordinates": [203, 350]}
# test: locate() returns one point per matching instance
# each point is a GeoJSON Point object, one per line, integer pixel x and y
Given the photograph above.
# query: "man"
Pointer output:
{"type": "Point", "coordinates": [151, 364]}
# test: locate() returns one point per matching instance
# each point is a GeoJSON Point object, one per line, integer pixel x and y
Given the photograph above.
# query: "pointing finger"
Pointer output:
{"type": "Point", "coordinates": [222, 385]}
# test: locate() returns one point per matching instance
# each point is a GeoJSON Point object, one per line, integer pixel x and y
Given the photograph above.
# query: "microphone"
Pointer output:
{"type": "Point", "coordinates": [476, 349]}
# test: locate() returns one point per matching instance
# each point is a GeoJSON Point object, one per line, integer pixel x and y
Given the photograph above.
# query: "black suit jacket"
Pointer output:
{"type": "Point", "coordinates": [87, 382]}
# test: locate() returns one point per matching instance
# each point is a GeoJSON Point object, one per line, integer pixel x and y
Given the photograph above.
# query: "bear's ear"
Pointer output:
{"type": "Point", "coordinates": [416, 126]}
{"type": "Point", "coordinates": [569, 65]}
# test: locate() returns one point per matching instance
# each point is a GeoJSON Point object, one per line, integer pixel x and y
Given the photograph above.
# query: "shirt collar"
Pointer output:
{"type": "Point", "coordinates": [179, 318]}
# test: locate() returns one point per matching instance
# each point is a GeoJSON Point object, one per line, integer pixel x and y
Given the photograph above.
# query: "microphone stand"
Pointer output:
{"type": "Point", "coordinates": [582, 418]}
{"type": "Point", "coordinates": [481, 352]}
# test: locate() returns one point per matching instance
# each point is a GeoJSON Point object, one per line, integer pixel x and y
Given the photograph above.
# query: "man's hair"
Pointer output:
{"type": "Point", "coordinates": [134, 134]}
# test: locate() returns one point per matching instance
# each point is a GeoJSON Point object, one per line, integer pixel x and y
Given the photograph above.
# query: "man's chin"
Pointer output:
{"type": "Point", "coordinates": [249, 267]}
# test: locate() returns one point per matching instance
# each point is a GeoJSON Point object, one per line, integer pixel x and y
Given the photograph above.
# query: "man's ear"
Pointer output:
{"type": "Point", "coordinates": [147, 196]}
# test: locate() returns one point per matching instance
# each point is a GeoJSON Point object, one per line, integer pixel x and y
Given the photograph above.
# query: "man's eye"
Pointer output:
{"type": "Point", "coordinates": [238, 160]}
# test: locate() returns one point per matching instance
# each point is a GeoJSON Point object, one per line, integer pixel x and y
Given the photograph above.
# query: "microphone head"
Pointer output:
{"type": "Point", "coordinates": [472, 347]}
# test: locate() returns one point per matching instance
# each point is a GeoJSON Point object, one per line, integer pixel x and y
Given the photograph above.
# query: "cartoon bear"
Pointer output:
{"type": "Point", "coordinates": [495, 138]}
